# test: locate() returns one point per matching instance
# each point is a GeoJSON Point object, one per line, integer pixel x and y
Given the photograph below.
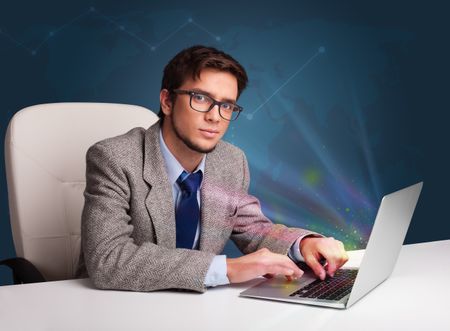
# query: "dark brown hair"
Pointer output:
{"type": "Point", "coordinates": [191, 61]}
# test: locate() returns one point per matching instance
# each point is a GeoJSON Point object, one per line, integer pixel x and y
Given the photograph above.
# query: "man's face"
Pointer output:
{"type": "Point", "coordinates": [200, 132]}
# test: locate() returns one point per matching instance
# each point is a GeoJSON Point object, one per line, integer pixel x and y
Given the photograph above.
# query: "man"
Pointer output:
{"type": "Point", "coordinates": [161, 203]}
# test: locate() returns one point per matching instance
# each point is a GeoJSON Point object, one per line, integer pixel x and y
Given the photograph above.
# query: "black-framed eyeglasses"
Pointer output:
{"type": "Point", "coordinates": [204, 103]}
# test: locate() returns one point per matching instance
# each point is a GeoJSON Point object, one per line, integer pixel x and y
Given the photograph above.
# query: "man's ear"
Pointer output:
{"type": "Point", "coordinates": [165, 101]}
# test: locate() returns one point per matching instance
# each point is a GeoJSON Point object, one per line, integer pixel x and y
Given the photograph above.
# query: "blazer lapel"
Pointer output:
{"type": "Point", "coordinates": [159, 201]}
{"type": "Point", "coordinates": [215, 206]}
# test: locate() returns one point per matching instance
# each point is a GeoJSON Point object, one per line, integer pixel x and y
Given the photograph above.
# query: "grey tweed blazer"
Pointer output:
{"type": "Point", "coordinates": [128, 220]}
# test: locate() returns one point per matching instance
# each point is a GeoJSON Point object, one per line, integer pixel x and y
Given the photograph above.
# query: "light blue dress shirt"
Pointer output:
{"type": "Point", "coordinates": [217, 272]}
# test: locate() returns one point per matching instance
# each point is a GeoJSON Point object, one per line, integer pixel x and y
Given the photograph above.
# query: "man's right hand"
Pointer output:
{"type": "Point", "coordinates": [261, 263]}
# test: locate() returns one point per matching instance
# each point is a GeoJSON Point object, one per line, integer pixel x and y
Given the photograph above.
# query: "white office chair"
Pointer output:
{"type": "Point", "coordinates": [45, 149]}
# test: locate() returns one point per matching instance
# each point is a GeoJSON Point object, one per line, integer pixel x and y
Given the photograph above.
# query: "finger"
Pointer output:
{"type": "Point", "coordinates": [280, 264]}
{"type": "Point", "coordinates": [289, 273]}
{"type": "Point", "coordinates": [289, 264]}
{"type": "Point", "coordinates": [331, 268]}
{"type": "Point", "coordinates": [297, 271]}
{"type": "Point", "coordinates": [345, 258]}
{"type": "Point", "coordinates": [341, 259]}
{"type": "Point", "coordinates": [341, 256]}
{"type": "Point", "coordinates": [335, 256]}
{"type": "Point", "coordinates": [316, 267]}
{"type": "Point", "coordinates": [286, 269]}
{"type": "Point", "coordinates": [343, 253]}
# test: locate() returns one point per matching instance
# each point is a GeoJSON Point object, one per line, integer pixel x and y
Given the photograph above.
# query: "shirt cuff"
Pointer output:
{"type": "Point", "coordinates": [217, 272]}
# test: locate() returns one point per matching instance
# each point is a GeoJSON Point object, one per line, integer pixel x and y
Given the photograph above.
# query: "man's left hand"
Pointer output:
{"type": "Point", "coordinates": [314, 249]}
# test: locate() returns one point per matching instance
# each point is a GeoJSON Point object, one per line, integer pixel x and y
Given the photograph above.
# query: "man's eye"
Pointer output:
{"type": "Point", "coordinates": [227, 106]}
{"type": "Point", "coordinates": [199, 98]}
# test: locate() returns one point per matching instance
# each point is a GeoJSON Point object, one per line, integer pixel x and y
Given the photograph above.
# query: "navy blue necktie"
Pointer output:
{"type": "Point", "coordinates": [188, 212]}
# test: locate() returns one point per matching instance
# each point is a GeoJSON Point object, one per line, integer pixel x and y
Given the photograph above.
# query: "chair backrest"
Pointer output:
{"type": "Point", "coordinates": [45, 150]}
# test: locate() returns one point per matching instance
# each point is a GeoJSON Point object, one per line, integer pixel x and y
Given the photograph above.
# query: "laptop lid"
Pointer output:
{"type": "Point", "coordinates": [386, 239]}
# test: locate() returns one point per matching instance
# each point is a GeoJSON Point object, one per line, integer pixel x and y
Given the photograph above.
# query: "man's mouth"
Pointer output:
{"type": "Point", "coordinates": [209, 133]}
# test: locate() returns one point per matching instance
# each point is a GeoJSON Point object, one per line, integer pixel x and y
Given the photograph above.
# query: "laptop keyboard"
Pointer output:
{"type": "Point", "coordinates": [332, 288]}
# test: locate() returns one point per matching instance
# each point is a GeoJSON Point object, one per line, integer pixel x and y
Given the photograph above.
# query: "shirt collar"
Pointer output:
{"type": "Point", "coordinates": [173, 167]}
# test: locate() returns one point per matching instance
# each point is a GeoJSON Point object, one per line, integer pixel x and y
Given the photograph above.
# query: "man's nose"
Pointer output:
{"type": "Point", "coordinates": [213, 115]}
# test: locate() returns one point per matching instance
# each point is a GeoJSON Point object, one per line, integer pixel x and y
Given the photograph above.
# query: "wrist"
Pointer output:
{"type": "Point", "coordinates": [230, 269]}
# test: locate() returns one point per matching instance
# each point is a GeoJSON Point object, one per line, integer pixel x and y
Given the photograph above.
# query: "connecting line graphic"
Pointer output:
{"type": "Point", "coordinates": [121, 27]}
{"type": "Point", "coordinates": [319, 51]}
{"type": "Point", "coordinates": [204, 29]}
{"type": "Point", "coordinates": [52, 33]}
{"type": "Point", "coordinates": [17, 43]}
{"type": "Point", "coordinates": [170, 35]}
{"type": "Point", "coordinates": [157, 45]}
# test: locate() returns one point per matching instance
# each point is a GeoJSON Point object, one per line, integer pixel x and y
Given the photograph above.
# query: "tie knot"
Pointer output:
{"type": "Point", "coordinates": [190, 182]}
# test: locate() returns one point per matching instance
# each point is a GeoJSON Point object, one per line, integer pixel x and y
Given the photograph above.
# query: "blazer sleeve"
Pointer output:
{"type": "Point", "coordinates": [253, 230]}
{"type": "Point", "coordinates": [112, 259]}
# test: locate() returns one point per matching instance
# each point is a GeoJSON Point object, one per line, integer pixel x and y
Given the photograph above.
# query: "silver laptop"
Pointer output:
{"type": "Point", "coordinates": [351, 284]}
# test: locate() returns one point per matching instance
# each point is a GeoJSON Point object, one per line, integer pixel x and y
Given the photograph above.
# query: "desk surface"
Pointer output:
{"type": "Point", "coordinates": [412, 298]}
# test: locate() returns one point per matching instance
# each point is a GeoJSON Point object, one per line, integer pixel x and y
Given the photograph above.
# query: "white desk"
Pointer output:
{"type": "Point", "coordinates": [413, 298]}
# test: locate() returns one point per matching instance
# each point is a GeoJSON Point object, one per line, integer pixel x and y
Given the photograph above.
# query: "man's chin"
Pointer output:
{"type": "Point", "coordinates": [201, 149]}
{"type": "Point", "coordinates": [198, 148]}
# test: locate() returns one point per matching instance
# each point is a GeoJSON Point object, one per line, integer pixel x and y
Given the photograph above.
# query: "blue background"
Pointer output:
{"type": "Point", "coordinates": [346, 101]}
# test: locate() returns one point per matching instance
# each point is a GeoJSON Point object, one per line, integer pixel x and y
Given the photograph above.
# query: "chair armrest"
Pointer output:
{"type": "Point", "coordinates": [24, 271]}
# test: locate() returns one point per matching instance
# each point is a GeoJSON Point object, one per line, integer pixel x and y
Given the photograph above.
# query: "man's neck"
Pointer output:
{"type": "Point", "coordinates": [188, 158]}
